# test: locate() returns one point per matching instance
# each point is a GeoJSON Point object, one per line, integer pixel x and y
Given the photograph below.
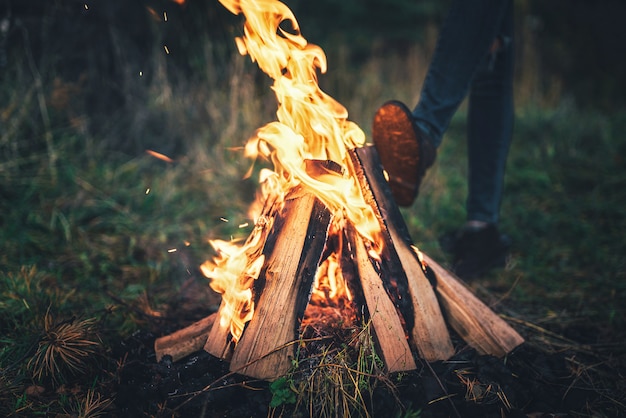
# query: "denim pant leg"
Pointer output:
{"type": "Point", "coordinates": [490, 125]}
{"type": "Point", "coordinates": [464, 40]}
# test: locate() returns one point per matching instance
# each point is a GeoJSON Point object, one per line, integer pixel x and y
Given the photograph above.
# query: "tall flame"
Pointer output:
{"type": "Point", "coordinates": [311, 125]}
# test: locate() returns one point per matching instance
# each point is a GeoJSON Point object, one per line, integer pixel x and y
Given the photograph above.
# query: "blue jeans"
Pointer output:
{"type": "Point", "coordinates": [467, 61]}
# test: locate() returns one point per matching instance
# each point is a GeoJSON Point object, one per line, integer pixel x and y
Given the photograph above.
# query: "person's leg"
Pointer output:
{"type": "Point", "coordinates": [490, 123]}
{"type": "Point", "coordinates": [479, 245]}
{"type": "Point", "coordinates": [406, 140]}
{"type": "Point", "coordinates": [464, 40]}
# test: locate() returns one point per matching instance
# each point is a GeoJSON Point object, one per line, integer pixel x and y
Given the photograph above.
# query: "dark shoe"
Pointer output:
{"type": "Point", "coordinates": [403, 150]}
{"type": "Point", "coordinates": [476, 250]}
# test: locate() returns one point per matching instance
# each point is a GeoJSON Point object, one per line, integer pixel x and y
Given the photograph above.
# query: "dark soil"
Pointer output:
{"type": "Point", "coordinates": [531, 381]}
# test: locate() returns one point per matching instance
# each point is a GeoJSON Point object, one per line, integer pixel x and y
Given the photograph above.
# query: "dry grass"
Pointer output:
{"type": "Point", "coordinates": [339, 379]}
{"type": "Point", "coordinates": [93, 405]}
{"type": "Point", "coordinates": [66, 347]}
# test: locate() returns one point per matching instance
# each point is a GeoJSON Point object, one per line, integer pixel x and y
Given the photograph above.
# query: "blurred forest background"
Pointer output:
{"type": "Point", "coordinates": [103, 61]}
{"type": "Point", "coordinates": [93, 227]}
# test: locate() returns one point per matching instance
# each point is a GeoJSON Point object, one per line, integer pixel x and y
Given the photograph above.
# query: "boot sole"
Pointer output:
{"type": "Point", "coordinates": [397, 141]}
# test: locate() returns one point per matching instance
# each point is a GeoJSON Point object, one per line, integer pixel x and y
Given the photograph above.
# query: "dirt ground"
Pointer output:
{"type": "Point", "coordinates": [538, 379]}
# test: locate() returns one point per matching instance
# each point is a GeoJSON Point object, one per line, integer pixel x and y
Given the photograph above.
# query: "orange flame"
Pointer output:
{"type": "Point", "coordinates": [311, 125]}
{"type": "Point", "coordinates": [233, 277]}
{"type": "Point", "coordinates": [234, 270]}
{"type": "Point", "coordinates": [330, 285]}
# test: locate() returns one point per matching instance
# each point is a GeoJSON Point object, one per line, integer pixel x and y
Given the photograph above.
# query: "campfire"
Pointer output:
{"type": "Point", "coordinates": [329, 244]}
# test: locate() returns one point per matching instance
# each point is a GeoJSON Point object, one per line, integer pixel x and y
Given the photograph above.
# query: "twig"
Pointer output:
{"type": "Point", "coordinates": [507, 293]}
{"type": "Point", "coordinates": [572, 344]}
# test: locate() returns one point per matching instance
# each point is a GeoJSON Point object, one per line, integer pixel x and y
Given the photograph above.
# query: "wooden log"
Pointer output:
{"type": "Point", "coordinates": [266, 347]}
{"type": "Point", "coordinates": [478, 325]}
{"type": "Point", "coordinates": [388, 331]}
{"type": "Point", "coordinates": [429, 334]}
{"type": "Point", "coordinates": [219, 341]}
{"type": "Point", "coordinates": [185, 341]}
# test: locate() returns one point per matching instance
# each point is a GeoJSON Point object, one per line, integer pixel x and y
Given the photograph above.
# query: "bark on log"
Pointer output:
{"type": "Point", "coordinates": [429, 334]}
{"type": "Point", "coordinates": [474, 321]}
{"type": "Point", "coordinates": [266, 346]}
{"type": "Point", "coordinates": [185, 341]}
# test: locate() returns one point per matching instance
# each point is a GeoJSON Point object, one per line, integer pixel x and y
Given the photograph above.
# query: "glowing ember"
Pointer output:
{"type": "Point", "coordinates": [160, 156]}
{"type": "Point", "coordinates": [311, 126]}
{"type": "Point", "coordinates": [331, 303]}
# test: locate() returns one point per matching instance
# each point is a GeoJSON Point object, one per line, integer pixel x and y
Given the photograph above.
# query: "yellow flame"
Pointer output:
{"type": "Point", "coordinates": [330, 284]}
{"type": "Point", "coordinates": [236, 267]}
{"type": "Point", "coordinates": [310, 125]}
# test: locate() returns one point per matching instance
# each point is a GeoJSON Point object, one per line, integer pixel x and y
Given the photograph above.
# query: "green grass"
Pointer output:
{"type": "Point", "coordinates": [89, 234]}
{"type": "Point", "coordinates": [563, 208]}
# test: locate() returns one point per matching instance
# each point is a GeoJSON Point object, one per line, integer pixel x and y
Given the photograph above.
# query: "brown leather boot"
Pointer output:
{"type": "Point", "coordinates": [403, 150]}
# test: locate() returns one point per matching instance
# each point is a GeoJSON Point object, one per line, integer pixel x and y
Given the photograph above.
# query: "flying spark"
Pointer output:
{"type": "Point", "coordinates": [167, 51]}
{"type": "Point", "coordinates": [224, 220]}
{"type": "Point", "coordinates": [160, 156]}
{"type": "Point", "coordinates": [165, 16]}
{"type": "Point", "coordinates": [147, 190]}
{"type": "Point", "coordinates": [172, 250]}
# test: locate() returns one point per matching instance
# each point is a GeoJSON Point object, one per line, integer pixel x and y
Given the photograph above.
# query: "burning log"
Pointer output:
{"type": "Point", "coordinates": [218, 341]}
{"type": "Point", "coordinates": [478, 325]}
{"type": "Point", "coordinates": [294, 251]}
{"type": "Point", "coordinates": [266, 348]}
{"type": "Point", "coordinates": [429, 333]}
{"type": "Point", "coordinates": [388, 331]}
